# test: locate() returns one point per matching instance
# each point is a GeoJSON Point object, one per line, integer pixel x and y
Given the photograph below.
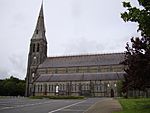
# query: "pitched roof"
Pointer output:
{"type": "Point", "coordinates": [80, 77]}
{"type": "Point", "coordinates": [83, 60]}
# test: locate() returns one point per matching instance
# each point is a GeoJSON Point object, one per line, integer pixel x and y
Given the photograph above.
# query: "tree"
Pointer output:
{"type": "Point", "coordinates": [21, 88]}
{"type": "Point", "coordinates": [12, 87]}
{"type": "Point", "coordinates": [138, 15]}
{"type": "Point", "coordinates": [119, 88]}
{"type": "Point", "coordinates": [1, 87]}
{"type": "Point", "coordinates": [137, 56]}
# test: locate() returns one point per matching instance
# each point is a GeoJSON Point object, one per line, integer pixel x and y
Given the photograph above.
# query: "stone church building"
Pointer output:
{"type": "Point", "coordinates": [85, 75]}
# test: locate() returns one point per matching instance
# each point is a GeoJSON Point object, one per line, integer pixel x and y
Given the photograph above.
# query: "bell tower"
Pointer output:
{"type": "Point", "coordinates": [37, 52]}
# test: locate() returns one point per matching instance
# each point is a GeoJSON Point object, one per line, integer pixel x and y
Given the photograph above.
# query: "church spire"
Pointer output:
{"type": "Point", "coordinates": [37, 52]}
{"type": "Point", "coordinates": [39, 32]}
{"type": "Point", "coordinates": [41, 10]}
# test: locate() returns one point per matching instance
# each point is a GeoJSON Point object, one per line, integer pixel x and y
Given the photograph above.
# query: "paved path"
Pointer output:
{"type": "Point", "coordinates": [106, 106]}
{"type": "Point", "coordinates": [24, 105]}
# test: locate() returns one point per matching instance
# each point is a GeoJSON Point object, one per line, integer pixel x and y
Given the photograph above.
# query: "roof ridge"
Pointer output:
{"type": "Point", "coordinates": [82, 55]}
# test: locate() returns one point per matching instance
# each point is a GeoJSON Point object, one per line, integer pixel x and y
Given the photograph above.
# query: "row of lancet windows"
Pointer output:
{"type": "Point", "coordinates": [63, 87]}
{"type": "Point", "coordinates": [36, 48]}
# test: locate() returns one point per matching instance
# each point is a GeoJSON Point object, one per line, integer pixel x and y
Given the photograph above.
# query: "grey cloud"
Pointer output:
{"type": "Point", "coordinates": [3, 73]}
{"type": "Point", "coordinates": [76, 8]}
{"type": "Point", "coordinates": [17, 64]}
{"type": "Point", "coordinates": [72, 27]}
{"type": "Point", "coordinates": [83, 46]}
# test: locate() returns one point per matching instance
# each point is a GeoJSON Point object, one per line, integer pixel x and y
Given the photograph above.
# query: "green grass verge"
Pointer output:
{"type": "Point", "coordinates": [57, 97]}
{"type": "Point", "coordinates": [135, 105]}
{"type": "Point", "coordinates": [2, 97]}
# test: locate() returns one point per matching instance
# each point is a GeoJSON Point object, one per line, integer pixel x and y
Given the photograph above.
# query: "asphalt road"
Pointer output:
{"type": "Point", "coordinates": [25, 105]}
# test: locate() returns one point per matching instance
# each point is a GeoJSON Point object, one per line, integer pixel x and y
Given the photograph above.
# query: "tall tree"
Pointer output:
{"type": "Point", "coordinates": [137, 58]}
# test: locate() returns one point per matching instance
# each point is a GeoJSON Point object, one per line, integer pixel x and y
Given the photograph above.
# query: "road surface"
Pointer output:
{"type": "Point", "coordinates": [25, 105]}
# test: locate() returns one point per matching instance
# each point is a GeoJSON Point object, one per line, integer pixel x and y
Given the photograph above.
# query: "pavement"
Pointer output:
{"type": "Point", "coordinates": [109, 105]}
{"type": "Point", "coordinates": [89, 105]}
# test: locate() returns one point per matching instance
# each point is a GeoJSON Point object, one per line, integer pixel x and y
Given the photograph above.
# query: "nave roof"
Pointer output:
{"type": "Point", "coordinates": [83, 60]}
{"type": "Point", "coordinates": [80, 77]}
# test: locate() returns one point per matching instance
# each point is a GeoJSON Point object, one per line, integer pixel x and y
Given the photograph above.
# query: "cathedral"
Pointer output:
{"type": "Point", "coordinates": [94, 75]}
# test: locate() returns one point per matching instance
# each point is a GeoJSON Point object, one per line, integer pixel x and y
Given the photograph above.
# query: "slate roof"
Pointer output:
{"type": "Point", "coordinates": [83, 60]}
{"type": "Point", "coordinates": [80, 77]}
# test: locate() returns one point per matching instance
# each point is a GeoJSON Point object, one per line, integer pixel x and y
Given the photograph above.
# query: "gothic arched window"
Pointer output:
{"type": "Point", "coordinates": [41, 88]}
{"type": "Point", "coordinates": [36, 31]}
{"type": "Point", "coordinates": [57, 89]}
{"type": "Point", "coordinates": [33, 47]}
{"type": "Point", "coordinates": [38, 88]}
{"type": "Point", "coordinates": [38, 47]}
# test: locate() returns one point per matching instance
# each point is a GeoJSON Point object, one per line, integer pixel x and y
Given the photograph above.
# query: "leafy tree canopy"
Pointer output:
{"type": "Point", "coordinates": [137, 58]}
{"type": "Point", "coordinates": [140, 15]}
{"type": "Point", "coordinates": [12, 87]}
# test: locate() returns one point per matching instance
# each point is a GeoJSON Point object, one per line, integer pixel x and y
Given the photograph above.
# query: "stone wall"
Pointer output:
{"type": "Point", "coordinates": [76, 88]}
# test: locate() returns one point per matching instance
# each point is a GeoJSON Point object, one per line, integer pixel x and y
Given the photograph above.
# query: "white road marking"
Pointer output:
{"type": "Point", "coordinates": [72, 110]}
{"type": "Point", "coordinates": [26, 105]}
{"type": "Point", "coordinates": [66, 107]}
{"type": "Point", "coordinates": [6, 108]}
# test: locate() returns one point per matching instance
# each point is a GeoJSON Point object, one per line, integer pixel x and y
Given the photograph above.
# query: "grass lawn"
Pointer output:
{"type": "Point", "coordinates": [3, 97]}
{"type": "Point", "coordinates": [135, 105]}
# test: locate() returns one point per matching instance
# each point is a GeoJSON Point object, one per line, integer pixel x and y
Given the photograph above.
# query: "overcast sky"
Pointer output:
{"type": "Point", "coordinates": [72, 27]}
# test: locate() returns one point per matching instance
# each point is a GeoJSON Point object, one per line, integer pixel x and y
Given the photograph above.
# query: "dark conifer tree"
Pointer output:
{"type": "Point", "coordinates": [137, 58]}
